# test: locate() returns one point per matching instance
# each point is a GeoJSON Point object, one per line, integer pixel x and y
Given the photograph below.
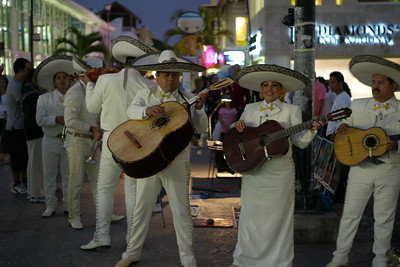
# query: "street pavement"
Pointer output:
{"type": "Point", "coordinates": [27, 239]}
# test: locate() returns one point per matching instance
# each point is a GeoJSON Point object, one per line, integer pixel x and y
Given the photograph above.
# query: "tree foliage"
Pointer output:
{"type": "Point", "coordinates": [80, 45]}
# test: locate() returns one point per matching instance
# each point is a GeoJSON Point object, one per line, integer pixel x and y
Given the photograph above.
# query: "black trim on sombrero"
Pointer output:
{"type": "Point", "coordinates": [149, 62]}
{"type": "Point", "coordinates": [171, 67]}
{"type": "Point", "coordinates": [251, 77]}
{"type": "Point", "coordinates": [137, 45]}
{"type": "Point", "coordinates": [363, 67]}
{"type": "Point", "coordinates": [46, 80]}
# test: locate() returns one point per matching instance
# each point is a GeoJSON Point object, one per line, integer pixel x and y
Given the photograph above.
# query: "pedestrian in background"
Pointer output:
{"type": "Point", "coordinates": [4, 155]}
{"type": "Point", "coordinates": [34, 137]}
{"type": "Point", "coordinates": [15, 126]}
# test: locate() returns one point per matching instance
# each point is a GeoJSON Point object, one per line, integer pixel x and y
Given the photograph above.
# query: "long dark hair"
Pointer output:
{"type": "Point", "coordinates": [340, 78]}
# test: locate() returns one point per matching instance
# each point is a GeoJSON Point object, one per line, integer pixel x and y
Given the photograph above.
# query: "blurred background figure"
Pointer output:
{"type": "Point", "coordinates": [34, 137]}
{"type": "Point", "coordinates": [239, 95]}
{"type": "Point", "coordinates": [15, 126]}
{"type": "Point", "coordinates": [4, 156]}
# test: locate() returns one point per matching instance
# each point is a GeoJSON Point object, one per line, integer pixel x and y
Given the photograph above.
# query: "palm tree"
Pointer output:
{"type": "Point", "coordinates": [80, 45]}
{"type": "Point", "coordinates": [208, 36]}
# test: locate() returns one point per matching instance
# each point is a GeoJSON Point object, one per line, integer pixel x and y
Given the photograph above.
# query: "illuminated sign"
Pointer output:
{"type": "Point", "coordinates": [382, 34]}
{"type": "Point", "coordinates": [255, 44]}
{"type": "Point", "coordinates": [235, 57]}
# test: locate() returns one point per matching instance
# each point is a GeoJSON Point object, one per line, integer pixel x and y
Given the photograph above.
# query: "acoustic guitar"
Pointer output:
{"type": "Point", "coordinates": [247, 150]}
{"type": "Point", "coordinates": [143, 148]}
{"type": "Point", "coordinates": [358, 145]}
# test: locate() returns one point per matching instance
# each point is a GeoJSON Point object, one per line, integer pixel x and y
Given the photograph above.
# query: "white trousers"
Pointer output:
{"type": "Point", "coordinates": [109, 174]}
{"type": "Point", "coordinates": [175, 179]}
{"type": "Point", "coordinates": [35, 167]}
{"type": "Point", "coordinates": [79, 149]}
{"type": "Point", "coordinates": [54, 157]}
{"type": "Point", "coordinates": [383, 183]}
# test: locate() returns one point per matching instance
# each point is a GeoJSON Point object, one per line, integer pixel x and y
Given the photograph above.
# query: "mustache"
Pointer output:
{"type": "Point", "coordinates": [376, 90]}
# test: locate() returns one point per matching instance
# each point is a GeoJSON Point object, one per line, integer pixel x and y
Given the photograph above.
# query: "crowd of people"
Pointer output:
{"type": "Point", "coordinates": [57, 123]}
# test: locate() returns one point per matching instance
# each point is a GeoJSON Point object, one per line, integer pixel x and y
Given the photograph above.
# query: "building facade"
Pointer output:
{"type": "Point", "coordinates": [29, 28]}
{"type": "Point", "coordinates": [343, 29]}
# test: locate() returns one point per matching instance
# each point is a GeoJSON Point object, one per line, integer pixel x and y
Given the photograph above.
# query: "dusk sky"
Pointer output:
{"type": "Point", "coordinates": [155, 14]}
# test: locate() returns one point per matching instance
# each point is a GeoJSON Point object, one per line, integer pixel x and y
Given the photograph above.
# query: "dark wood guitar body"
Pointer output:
{"type": "Point", "coordinates": [254, 154]}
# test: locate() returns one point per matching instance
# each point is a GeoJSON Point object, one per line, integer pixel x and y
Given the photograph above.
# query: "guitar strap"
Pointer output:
{"type": "Point", "coordinates": [187, 105]}
{"type": "Point", "coordinates": [184, 98]}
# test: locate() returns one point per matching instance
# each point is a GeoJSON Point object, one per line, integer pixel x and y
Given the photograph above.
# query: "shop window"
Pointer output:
{"type": "Point", "coordinates": [241, 30]}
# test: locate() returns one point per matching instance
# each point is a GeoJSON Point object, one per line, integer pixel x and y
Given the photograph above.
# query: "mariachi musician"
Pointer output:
{"type": "Point", "coordinates": [376, 176]}
{"type": "Point", "coordinates": [265, 236]}
{"type": "Point", "coordinates": [175, 177]}
{"type": "Point", "coordinates": [82, 141]}
{"type": "Point", "coordinates": [112, 95]}
{"type": "Point", "coordinates": [52, 74]}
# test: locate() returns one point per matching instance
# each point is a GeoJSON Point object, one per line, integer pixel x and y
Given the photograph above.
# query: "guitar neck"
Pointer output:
{"type": "Point", "coordinates": [193, 99]}
{"type": "Point", "coordinates": [295, 129]}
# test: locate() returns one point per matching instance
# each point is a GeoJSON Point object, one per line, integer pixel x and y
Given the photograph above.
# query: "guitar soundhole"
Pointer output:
{"type": "Point", "coordinates": [160, 122]}
{"type": "Point", "coordinates": [370, 142]}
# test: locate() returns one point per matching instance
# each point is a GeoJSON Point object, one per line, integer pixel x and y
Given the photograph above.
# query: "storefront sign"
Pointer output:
{"type": "Point", "coordinates": [255, 44]}
{"type": "Point", "coordinates": [382, 34]}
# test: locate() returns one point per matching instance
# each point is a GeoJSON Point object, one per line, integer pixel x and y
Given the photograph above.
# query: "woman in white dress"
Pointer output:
{"type": "Point", "coordinates": [265, 236]}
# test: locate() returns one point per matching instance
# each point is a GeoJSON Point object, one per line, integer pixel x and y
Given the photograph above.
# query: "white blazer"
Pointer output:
{"type": "Point", "coordinates": [48, 107]}
{"type": "Point", "coordinates": [110, 97]}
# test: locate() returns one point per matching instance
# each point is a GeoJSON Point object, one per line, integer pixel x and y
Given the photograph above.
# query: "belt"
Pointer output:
{"type": "Point", "coordinates": [83, 135]}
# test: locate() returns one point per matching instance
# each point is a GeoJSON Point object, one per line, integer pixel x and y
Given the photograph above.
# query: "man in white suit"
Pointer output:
{"type": "Point", "coordinates": [377, 177]}
{"type": "Point", "coordinates": [53, 73]}
{"type": "Point", "coordinates": [175, 177]}
{"type": "Point", "coordinates": [112, 95]}
{"type": "Point", "coordinates": [83, 133]}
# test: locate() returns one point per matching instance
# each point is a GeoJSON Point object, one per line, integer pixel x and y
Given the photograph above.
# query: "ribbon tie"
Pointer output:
{"type": "Point", "coordinates": [382, 108]}
{"type": "Point", "coordinates": [271, 107]}
{"type": "Point", "coordinates": [164, 95]}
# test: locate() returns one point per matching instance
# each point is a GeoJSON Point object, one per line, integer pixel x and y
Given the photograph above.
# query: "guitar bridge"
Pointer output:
{"type": "Point", "coordinates": [266, 153]}
{"type": "Point", "coordinates": [242, 152]}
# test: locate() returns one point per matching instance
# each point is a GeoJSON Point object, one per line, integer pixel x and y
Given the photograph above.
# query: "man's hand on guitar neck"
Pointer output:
{"type": "Point", "coordinates": [201, 100]}
{"type": "Point", "coordinates": [317, 125]}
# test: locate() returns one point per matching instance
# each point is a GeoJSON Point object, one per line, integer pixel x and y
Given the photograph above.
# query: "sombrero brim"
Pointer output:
{"type": "Point", "coordinates": [363, 67]}
{"type": "Point", "coordinates": [126, 46]}
{"type": "Point", "coordinates": [79, 65]}
{"type": "Point", "coordinates": [252, 77]}
{"type": "Point", "coordinates": [149, 62]}
{"type": "Point", "coordinates": [45, 71]}
{"type": "Point", "coordinates": [84, 65]}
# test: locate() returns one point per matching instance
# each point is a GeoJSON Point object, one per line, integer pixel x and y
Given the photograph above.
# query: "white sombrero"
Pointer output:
{"type": "Point", "coordinates": [363, 67]}
{"type": "Point", "coordinates": [45, 71]}
{"type": "Point", "coordinates": [125, 47]}
{"type": "Point", "coordinates": [252, 77]}
{"type": "Point", "coordinates": [90, 62]}
{"type": "Point", "coordinates": [167, 60]}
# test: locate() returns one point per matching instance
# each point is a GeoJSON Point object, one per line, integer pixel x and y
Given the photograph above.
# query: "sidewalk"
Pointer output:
{"type": "Point", "coordinates": [27, 239]}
